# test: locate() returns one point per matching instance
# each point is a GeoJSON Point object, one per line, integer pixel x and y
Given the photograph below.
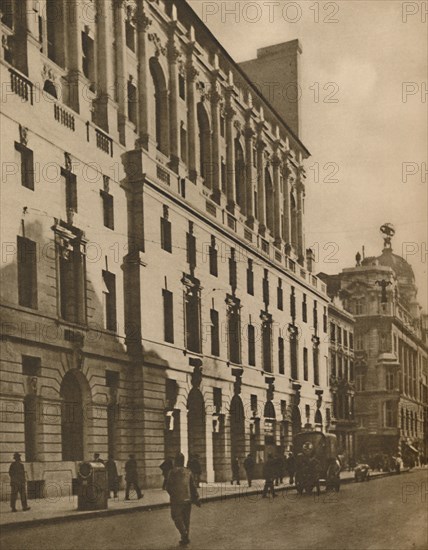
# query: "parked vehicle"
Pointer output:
{"type": "Point", "coordinates": [362, 472]}
{"type": "Point", "coordinates": [316, 460]}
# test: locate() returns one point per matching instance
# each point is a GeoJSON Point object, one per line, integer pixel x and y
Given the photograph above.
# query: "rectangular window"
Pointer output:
{"type": "Point", "coordinates": [182, 86]}
{"type": "Point", "coordinates": [390, 421]}
{"type": "Point", "coordinates": [305, 364]}
{"type": "Point", "coordinates": [132, 102]}
{"type": "Point", "coordinates": [253, 404]}
{"type": "Point", "coordinates": [130, 35]}
{"type": "Point", "coordinates": [193, 319]}
{"type": "Point", "coordinates": [183, 143]}
{"type": "Point", "coordinates": [7, 13]}
{"type": "Point", "coordinates": [345, 338]}
{"type": "Point", "coordinates": [217, 400]}
{"type": "Point", "coordinates": [251, 345]}
{"type": "Point", "coordinates": [70, 182]}
{"type": "Point", "coordinates": [294, 357]}
{"type": "Point", "coordinates": [281, 358]}
{"type": "Point", "coordinates": [109, 292]}
{"type": "Point", "coordinates": [332, 332]}
{"type": "Point", "coordinates": [359, 342]}
{"type": "Point", "coordinates": [280, 296]}
{"type": "Point", "coordinates": [304, 309]}
{"type": "Point", "coordinates": [255, 157]}
{"type": "Point", "coordinates": [351, 370]}
{"type": "Point", "coordinates": [191, 250]}
{"type": "Point", "coordinates": [168, 316]}
{"type": "Point", "coordinates": [267, 346]}
{"type": "Point", "coordinates": [88, 60]}
{"type": "Point", "coordinates": [72, 281]}
{"type": "Point", "coordinates": [266, 288]}
{"type": "Point", "coordinates": [27, 166]}
{"type": "Point", "coordinates": [390, 381]}
{"type": "Point", "coordinates": [360, 382]}
{"type": "Point", "coordinates": [339, 336]}
{"type": "Point", "coordinates": [215, 333]}
{"type": "Point", "coordinates": [234, 335]}
{"type": "Point", "coordinates": [316, 365]}
{"type": "Point", "coordinates": [222, 126]}
{"type": "Point", "coordinates": [213, 258]}
{"type": "Point", "coordinates": [351, 340]}
{"type": "Point", "coordinates": [333, 364]}
{"type": "Point", "coordinates": [250, 278]}
{"type": "Point", "coordinates": [232, 270]}
{"type": "Point", "coordinates": [166, 235]}
{"type": "Point", "coordinates": [324, 321]}
{"type": "Point", "coordinates": [27, 272]}
{"type": "Point", "coordinates": [108, 209]}
{"type": "Point", "coordinates": [223, 175]}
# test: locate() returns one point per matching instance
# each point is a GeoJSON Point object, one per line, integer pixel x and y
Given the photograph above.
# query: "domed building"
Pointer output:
{"type": "Point", "coordinates": [391, 367]}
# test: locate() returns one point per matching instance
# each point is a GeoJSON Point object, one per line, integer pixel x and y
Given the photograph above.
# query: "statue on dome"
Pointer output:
{"type": "Point", "coordinates": [388, 231]}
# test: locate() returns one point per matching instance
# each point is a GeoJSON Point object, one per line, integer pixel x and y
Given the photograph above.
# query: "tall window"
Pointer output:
{"type": "Point", "coordinates": [294, 357]}
{"type": "Point", "coordinates": [54, 28]}
{"type": "Point", "coordinates": [390, 421]}
{"type": "Point", "coordinates": [251, 336]}
{"type": "Point", "coordinates": [191, 247]}
{"type": "Point", "coordinates": [266, 287]}
{"type": "Point", "coordinates": [27, 165]}
{"type": "Point", "coordinates": [132, 101]}
{"type": "Point", "coordinates": [223, 175]}
{"type": "Point", "coordinates": [345, 338]}
{"type": "Point", "coordinates": [168, 316]}
{"type": "Point", "coordinates": [193, 317]}
{"type": "Point", "coordinates": [27, 272]}
{"type": "Point", "coordinates": [332, 332]}
{"type": "Point", "coordinates": [232, 270]}
{"type": "Point", "coordinates": [305, 364]}
{"type": "Point", "coordinates": [390, 380]}
{"type": "Point", "coordinates": [280, 296]}
{"type": "Point", "coordinates": [333, 363]}
{"type": "Point", "coordinates": [108, 209]}
{"type": "Point", "coordinates": [316, 366]}
{"type": "Point", "coordinates": [109, 280]}
{"type": "Point", "coordinates": [239, 174]}
{"type": "Point", "coordinates": [267, 343]}
{"type": "Point", "coordinates": [359, 306]}
{"type": "Point", "coordinates": [204, 144]}
{"type": "Point", "coordinates": [213, 256]}
{"type": "Point", "coordinates": [88, 59]}
{"type": "Point", "coordinates": [130, 33]}
{"type": "Point", "coordinates": [7, 12]}
{"type": "Point", "coordinates": [339, 335]}
{"type": "Point", "coordinates": [222, 126]}
{"type": "Point", "coordinates": [250, 278]}
{"type": "Point", "coordinates": [166, 239]}
{"type": "Point", "coordinates": [182, 86]}
{"type": "Point", "coordinates": [281, 357]}
{"type": "Point", "coordinates": [215, 333]}
{"type": "Point", "coordinates": [360, 382]}
{"type": "Point", "coordinates": [72, 280]}
{"type": "Point", "coordinates": [351, 340]}
{"type": "Point", "coordinates": [324, 321]}
{"type": "Point", "coordinates": [70, 182]}
{"type": "Point", "coordinates": [161, 98]}
{"type": "Point", "coordinates": [304, 309]}
{"type": "Point", "coordinates": [183, 143]}
{"type": "Point", "coordinates": [234, 329]}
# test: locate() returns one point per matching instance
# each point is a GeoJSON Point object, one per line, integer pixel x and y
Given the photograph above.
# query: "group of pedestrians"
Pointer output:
{"type": "Point", "coordinates": [131, 476]}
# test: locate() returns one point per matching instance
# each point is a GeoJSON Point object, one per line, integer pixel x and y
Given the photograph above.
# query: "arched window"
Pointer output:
{"type": "Point", "coordinates": [269, 200]}
{"type": "Point", "coordinates": [239, 175]}
{"type": "Point", "coordinates": [73, 419]}
{"type": "Point", "coordinates": [204, 144]}
{"type": "Point", "coordinates": [161, 106]}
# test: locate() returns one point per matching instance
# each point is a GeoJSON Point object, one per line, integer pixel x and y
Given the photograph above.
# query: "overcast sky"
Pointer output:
{"type": "Point", "coordinates": [368, 50]}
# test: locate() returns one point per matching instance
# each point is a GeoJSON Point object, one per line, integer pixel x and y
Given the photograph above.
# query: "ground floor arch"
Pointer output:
{"type": "Point", "coordinates": [196, 427]}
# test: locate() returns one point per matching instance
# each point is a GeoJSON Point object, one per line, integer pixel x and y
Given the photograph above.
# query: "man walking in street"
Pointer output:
{"type": "Point", "coordinates": [182, 491]}
{"type": "Point", "coordinates": [235, 471]}
{"type": "Point", "coordinates": [249, 468]}
{"type": "Point", "coordinates": [131, 476]}
{"type": "Point", "coordinates": [112, 477]}
{"type": "Point", "coordinates": [269, 475]}
{"type": "Point", "coordinates": [18, 483]}
{"type": "Point", "coordinates": [166, 466]}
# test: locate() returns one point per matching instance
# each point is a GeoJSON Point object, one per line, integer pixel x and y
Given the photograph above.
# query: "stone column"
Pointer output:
{"type": "Point", "coordinates": [174, 135]}
{"type": "Point", "coordinates": [230, 158]}
{"type": "Point", "coordinates": [209, 447]}
{"type": "Point", "coordinates": [143, 23]}
{"type": "Point", "coordinates": [300, 206]}
{"type": "Point", "coordinates": [192, 74]}
{"type": "Point", "coordinates": [74, 56]}
{"type": "Point", "coordinates": [104, 76]}
{"type": "Point", "coordinates": [121, 69]}
{"type": "Point", "coordinates": [261, 215]}
{"type": "Point", "coordinates": [249, 144]}
{"type": "Point", "coordinates": [286, 230]}
{"type": "Point", "coordinates": [276, 163]}
{"type": "Point", "coordinates": [215, 145]}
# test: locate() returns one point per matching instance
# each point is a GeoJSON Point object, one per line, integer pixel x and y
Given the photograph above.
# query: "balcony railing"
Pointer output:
{"type": "Point", "coordinates": [21, 86]}
{"type": "Point", "coordinates": [64, 117]}
{"type": "Point", "coordinates": [104, 142]}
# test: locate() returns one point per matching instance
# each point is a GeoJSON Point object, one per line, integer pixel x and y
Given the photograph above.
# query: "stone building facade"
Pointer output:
{"type": "Point", "coordinates": [156, 291]}
{"type": "Point", "coordinates": [390, 354]}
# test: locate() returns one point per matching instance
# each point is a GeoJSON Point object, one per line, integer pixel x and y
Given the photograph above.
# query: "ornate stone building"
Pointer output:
{"type": "Point", "coordinates": [156, 291]}
{"type": "Point", "coordinates": [391, 369]}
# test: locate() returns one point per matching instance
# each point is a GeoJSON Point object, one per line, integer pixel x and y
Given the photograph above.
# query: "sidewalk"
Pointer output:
{"type": "Point", "coordinates": [56, 508]}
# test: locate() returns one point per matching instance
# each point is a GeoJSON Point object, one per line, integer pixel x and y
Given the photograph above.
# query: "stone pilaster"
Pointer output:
{"type": "Point", "coordinates": [174, 136]}
{"type": "Point", "coordinates": [215, 145]}
{"type": "Point", "coordinates": [249, 145]}
{"type": "Point", "coordinates": [261, 214]}
{"type": "Point", "coordinates": [230, 155]}
{"type": "Point", "coordinates": [276, 163]}
{"type": "Point", "coordinates": [143, 23]}
{"type": "Point", "coordinates": [192, 74]}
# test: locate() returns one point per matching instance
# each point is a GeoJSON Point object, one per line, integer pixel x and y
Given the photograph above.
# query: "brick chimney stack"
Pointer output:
{"type": "Point", "coordinates": [275, 73]}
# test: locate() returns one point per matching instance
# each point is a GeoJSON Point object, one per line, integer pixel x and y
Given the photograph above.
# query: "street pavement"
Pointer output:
{"type": "Point", "coordinates": [382, 514]}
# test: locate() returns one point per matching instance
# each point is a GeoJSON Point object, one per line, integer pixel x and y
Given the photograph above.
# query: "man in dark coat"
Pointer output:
{"type": "Point", "coordinates": [291, 467]}
{"type": "Point", "coordinates": [166, 466]}
{"type": "Point", "coordinates": [182, 491]}
{"type": "Point", "coordinates": [131, 476]}
{"type": "Point", "coordinates": [112, 477]}
{"type": "Point", "coordinates": [195, 467]}
{"type": "Point", "coordinates": [249, 468]}
{"type": "Point", "coordinates": [269, 469]}
{"type": "Point", "coordinates": [18, 483]}
{"type": "Point", "coordinates": [235, 471]}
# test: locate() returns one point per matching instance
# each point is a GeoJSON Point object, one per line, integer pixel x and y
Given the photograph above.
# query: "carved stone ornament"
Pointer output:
{"type": "Point", "coordinates": [159, 48]}
{"type": "Point", "coordinates": [23, 135]}
{"type": "Point", "coordinates": [196, 377]}
{"type": "Point", "coordinates": [32, 385]}
{"type": "Point", "coordinates": [48, 73]}
{"type": "Point", "coordinates": [192, 73]}
{"type": "Point", "coordinates": [67, 162]}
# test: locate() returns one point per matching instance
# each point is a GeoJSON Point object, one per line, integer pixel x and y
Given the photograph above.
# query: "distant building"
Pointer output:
{"type": "Point", "coordinates": [156, 295]}
{"type": "Point", "coordinates": [391, 369]}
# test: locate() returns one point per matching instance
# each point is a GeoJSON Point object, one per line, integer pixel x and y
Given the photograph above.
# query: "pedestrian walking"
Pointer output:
{"type": "Point", "coordinates": [18, 483]}
{"type": "Point", "coordinates": [249, 465]}
{"type": "Point", "coordinates": [112, 477]}
{"type": "Point", "coordinates": [269, 469]}
{"type": "Point", "coordinates": [195, 467]}
{"type": "Point", "coordinates": [291, 467]}
{"type": "Point", "coordinates": [279, 469]}
{"type": "Point", "coordinates": [131, 477]}
{"type": "Point", "coordinates": [235, 471]}
{"type": "Point", "coordinates": [182, 490]}
{"type": "Point", "coordinates": [166, 466]}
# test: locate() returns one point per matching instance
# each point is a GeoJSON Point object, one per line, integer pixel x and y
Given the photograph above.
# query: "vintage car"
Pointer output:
{"type": "Point", "coordinates": [316, 459]}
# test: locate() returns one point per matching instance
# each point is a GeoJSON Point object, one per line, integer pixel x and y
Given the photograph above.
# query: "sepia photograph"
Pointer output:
{"type": "Point", "coordinates": [213, 279]}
